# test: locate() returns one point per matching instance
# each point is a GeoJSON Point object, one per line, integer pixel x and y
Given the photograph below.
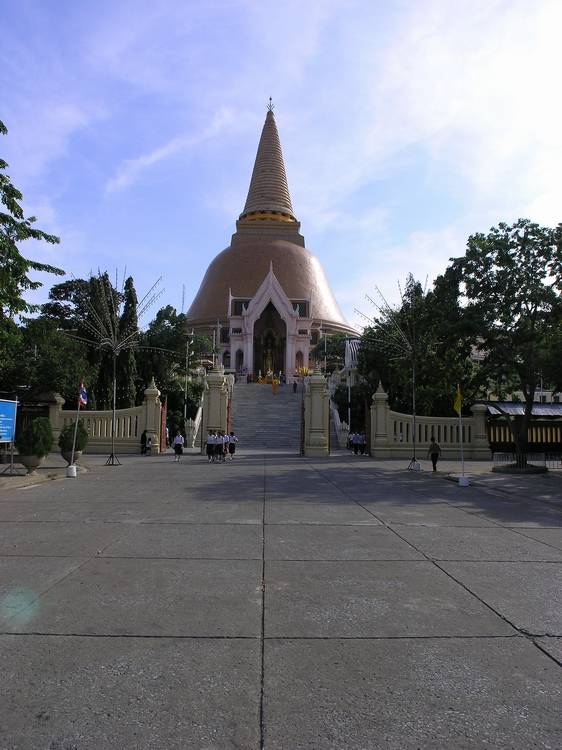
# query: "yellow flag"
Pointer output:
{"type": "Point", "coordinates": [458, 401]}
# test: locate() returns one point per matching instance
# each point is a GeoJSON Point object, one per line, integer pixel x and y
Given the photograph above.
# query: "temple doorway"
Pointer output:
{"type": "Point", "coordinates": [270, 336]}
{"type": "Point", "coordinates": [239, 360]}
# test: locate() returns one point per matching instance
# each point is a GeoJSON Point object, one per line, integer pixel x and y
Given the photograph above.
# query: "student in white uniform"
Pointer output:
{"type": "Point", "coordinates": [178, 446]}
{"type": "Point", "coordinates": [210, 446]}
{"type": "Point", "coordinates": [232, 440]}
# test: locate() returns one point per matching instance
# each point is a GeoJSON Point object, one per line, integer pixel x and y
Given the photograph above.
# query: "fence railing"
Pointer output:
{"type": "Point", "coordinates": [341, 431]}
{"type": "Point", "coordinates": [550, 460]}
{"type": "Point", "coordinates": [393, 436]}
{"type": "Point", "coordinates": [130, 423]}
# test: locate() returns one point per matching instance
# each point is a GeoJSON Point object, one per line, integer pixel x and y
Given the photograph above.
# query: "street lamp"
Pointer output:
{"type": "Point", "coordinates": [188, 343]}
{"type": "Point", "coordinates": [321, 332]}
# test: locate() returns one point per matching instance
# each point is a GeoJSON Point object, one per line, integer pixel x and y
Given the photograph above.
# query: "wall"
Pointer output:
{"type": "Point", "coordinates": [392, 433]}
{"type": "Point", "coordinates": [129, 424]}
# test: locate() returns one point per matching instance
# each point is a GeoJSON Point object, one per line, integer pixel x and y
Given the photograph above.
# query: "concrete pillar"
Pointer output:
{"type": "Point", "coordinates": [316, 417]}
{"type": "Point", "coordinates": [248, 350]}
{"type": "Point", "coordinates": [379, 420]}
{"type": "Point", "coordinates": [480, 446]}
{"type": "Point", "coordinates": [215, 403]}
{"type": "Point", "coordinates": [290, 357]}
{"type": "Point", "coordinates": [152, 415]}
{"type": "Point", "coordinates": [56, 402]}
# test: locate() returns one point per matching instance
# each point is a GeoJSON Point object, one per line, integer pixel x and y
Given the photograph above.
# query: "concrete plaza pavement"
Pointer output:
{"type": "Point", "coordinates": [281, 603]}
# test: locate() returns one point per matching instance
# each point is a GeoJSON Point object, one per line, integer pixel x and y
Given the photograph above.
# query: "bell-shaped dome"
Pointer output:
{"type": "Point", "coordinates": [242, 267]}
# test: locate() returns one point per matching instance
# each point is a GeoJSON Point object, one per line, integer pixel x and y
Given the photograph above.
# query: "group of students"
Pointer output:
{"type": "Point", "coordinates": [357, 442]}
{"type": "Point", "coordinates": [220, 446]}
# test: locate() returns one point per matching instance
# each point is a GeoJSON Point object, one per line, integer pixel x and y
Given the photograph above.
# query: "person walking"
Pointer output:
{"type": "Point", "coordinates": [232, 440]}
{"type": "Point", "coordinates": [210, 447]}
{"type": "Point", "coordinates": [177, 445]}
{"type": "Point", "coordinates": [225, 441]}
{"type": "Point", "coordinates": [143, 443]}
{"type": "Point", "coordinates": [362, 443]}
{"type": "Point", "coordinates": [294, 386]}
{"type": "Point", "coordinates": [218, 446]}
{"type": "Point", "coordinates": [356, 440]}
{"type": "Point", "coordinates": [433, 452]}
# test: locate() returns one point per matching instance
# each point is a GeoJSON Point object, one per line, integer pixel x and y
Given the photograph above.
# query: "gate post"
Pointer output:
{"type": "Point", "coordinates": [480, 445]}
{"type": "Point", "coordinates": [316, 416]}
{"type": "Point", "coordinates": [379, 420]}
{"type": "Point", "coordinates": [215, 404]}
{"type": "Point", "coordinates": [152, 415]}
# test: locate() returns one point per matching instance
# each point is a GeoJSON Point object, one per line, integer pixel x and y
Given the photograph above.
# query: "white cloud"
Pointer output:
{"type": "Point", "coordinates": [365, 92]}
{"type": "Point", "coordinates": [470, 84]}
{"type": "Point", "coordinates": [131, 169]}
{"type": "Point", "coordinates": [425, 254]}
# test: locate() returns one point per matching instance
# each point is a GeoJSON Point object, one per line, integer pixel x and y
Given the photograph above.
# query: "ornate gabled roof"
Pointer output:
{"type": "Point", "coordinates": [268, 197]}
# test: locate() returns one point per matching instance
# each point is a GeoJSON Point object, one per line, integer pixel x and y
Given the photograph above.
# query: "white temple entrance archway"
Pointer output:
{"type": "Point", "coordinates": [270, 340]}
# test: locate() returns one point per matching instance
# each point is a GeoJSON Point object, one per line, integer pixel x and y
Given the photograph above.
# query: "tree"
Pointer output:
{"type": "Point", "coordinates": [126, 361]}
{"type": "Point", "coordinates": [162, 355]}
{"type": "Point", "coordinates": [426, 334]}
{"type": "Point", "coordinates": [14, 268]}
{"type": "Point", "coordinates": [333, 348]}
{"type": "Point", "coordinates": [47, 360]}
{"type": "Point", "coordinates": [512, 279]}
{"type": "Point", "coordinates": [69, 303]}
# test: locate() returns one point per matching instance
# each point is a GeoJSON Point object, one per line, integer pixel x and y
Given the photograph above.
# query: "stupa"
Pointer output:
{"type": "Point", "coordinates": [265, 297]}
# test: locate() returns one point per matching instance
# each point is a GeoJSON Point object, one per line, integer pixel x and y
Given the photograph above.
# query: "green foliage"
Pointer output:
{"type": "Point", "coordinates": [66, 437]}
{"type": "Point", "coordinates": [76, 306]}
{"type": "Point", "coordinates": [512, 279]}
{"type": "Point", "coordinates": [126, 361]}
{"type": "Point", "coordinates": [361, 396]}
{"type": "Point", "coordinates": [44, 359]}
{"type": "Point", "coordinates": [91, 310]}
{"type": "Point", "coordinates": [333, 348]}
{"type": "Point", "coordinates": [68, 304]}
{"type": "Point", "coordinates": [175, 399]}
{"type": "Point", "coordinates": [15, 228]}
{"type": "Point", "coordinates": [163, 356]}
{"type": "Point", "coordinates": [427, 330]}
{"type": "Point", "coordinates": [36, 438]}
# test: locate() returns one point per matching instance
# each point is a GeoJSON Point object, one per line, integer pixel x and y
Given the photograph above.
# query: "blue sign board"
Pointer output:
{"type": "Point", "coordinates": [7, 420]}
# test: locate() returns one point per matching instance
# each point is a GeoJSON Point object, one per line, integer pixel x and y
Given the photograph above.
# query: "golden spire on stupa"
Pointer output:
{"type": "Point", "coordinates": [268, 196]}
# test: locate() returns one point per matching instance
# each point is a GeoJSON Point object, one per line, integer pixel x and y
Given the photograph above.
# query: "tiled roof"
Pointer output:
{"type": "Point", "coordinates": [517, 409]}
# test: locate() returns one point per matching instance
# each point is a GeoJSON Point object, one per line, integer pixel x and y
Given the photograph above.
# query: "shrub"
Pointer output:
{"type": "Point", "coordinates": [67, 436]}
{"type": "Point", "coordinates": [36, 438]}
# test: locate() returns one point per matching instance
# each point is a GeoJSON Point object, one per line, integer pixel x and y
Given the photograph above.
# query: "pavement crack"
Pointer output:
{"type": "Point", "coordinates": [262, 633]}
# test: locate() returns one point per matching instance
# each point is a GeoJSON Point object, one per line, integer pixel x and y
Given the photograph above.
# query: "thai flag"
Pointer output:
{"type": "Point", "coordinates": [82, 395]}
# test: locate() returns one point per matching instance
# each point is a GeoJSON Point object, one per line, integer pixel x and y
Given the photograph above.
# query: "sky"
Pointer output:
{"type": "Point", "coordinates": [405, 126]}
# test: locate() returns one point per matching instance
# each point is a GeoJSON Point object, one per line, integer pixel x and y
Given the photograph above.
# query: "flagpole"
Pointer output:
{"type": "Point", "coordinates": [463, 481]}
{"type": "Point", "coordinates": [75, 431]}
{"type": "Point", "coordinates": [462, 450]}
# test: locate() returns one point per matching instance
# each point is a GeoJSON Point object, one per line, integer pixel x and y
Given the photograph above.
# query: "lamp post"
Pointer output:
{"type": "Point", "coordinates": [105, 331]}
{"type": "Point", "coordinates": [188, 343]}
{"type": "Point", "coordinates": [322, 332]}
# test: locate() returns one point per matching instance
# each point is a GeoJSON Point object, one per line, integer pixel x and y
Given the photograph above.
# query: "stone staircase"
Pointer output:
{"type": "Point", "coordinates": [263, 420]}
